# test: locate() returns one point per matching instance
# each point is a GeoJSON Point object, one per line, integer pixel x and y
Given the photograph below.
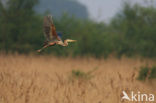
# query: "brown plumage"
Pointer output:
{"type": "Point", "coordinates": [49, 29]}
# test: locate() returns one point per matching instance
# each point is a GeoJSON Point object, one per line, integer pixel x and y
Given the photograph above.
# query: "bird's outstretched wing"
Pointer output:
{"type": "Point", "coordinates": [49, 29]}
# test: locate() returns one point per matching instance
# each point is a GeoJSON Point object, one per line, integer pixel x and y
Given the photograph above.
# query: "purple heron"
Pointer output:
{"type": "Point", "coordinates": [52, 37]}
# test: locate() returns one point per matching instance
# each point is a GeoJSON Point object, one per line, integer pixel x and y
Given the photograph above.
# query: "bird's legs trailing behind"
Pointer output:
{"type": "Point", "coordinates": [45, 46]}
{"type": "Point", "coordinates": [42, 48]}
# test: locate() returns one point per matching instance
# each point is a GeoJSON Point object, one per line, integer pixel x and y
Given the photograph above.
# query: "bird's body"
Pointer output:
{"type": "Point", "coordinates": [52, 37]}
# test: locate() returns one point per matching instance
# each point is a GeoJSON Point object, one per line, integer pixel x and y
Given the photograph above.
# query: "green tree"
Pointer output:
{"type": "Point", "coordinates": [135, 26]}
{"type": "Point", "coordinates": [18, 25]}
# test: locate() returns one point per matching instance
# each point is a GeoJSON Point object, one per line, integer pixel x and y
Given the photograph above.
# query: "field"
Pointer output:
{"type": "Point", "coordinates": [48, 79]}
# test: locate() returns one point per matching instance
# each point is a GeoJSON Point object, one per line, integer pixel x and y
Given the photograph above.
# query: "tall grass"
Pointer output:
{"type": "Point", "coordinates": [45, 79]}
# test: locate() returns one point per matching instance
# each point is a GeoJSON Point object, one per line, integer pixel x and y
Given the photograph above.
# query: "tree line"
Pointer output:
{"type": "Point", "coordinates": [131, 32]}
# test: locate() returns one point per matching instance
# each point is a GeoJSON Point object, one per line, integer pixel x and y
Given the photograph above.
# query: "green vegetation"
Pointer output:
{"type": "Point", "coordinates": [135, 27]}
{"type": "Point", "coordinates": [131, 32]}
{"type": "Point", "coordinates": [80, 75]}
{"type": "Point", "coordinates": [143, 73]}
{"type": "Point", "coordinates": [147, 73]}
{"type": "Point", "coordinates": [19, 26]}
{"type": "Point", "coordinates": [153, 73]}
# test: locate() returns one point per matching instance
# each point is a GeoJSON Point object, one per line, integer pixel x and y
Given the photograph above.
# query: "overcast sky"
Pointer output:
{"type": "Point", "coordinates": [103, 10]}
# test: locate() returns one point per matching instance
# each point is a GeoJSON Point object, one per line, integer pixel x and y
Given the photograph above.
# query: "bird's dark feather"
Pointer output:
{"type": "Point", "coordinates": [49, 29]}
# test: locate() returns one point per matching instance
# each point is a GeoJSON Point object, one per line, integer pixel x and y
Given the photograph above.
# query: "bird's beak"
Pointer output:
{"type": "Point", "coordinates": [71, 40]}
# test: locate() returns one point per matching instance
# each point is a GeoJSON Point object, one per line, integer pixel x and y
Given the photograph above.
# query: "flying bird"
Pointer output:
{"type": "Point", "coordinates": [52, 37]}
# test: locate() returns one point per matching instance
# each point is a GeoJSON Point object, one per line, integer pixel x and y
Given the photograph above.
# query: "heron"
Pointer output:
{"type": "Point", "coordinates": [52, 37]}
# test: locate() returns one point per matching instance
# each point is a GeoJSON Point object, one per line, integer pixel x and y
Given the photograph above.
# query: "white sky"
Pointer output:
{"type": "Point", "coordinates": [103, 10]}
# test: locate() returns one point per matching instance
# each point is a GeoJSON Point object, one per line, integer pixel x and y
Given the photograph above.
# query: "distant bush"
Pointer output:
{"type": "Point", "coordinates": [143, 73]}
{"type": "Point", "coordinates": [147, 73]}
{"type": "Point", "coordinates": [153, 73]}
{"type": "Point", "coordinates": [77, 74]}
